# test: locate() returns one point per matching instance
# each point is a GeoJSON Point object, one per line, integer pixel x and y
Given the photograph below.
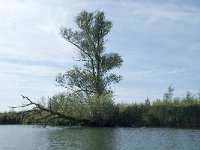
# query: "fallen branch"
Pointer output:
{"type": "Point", "coordinates": [51, 114]}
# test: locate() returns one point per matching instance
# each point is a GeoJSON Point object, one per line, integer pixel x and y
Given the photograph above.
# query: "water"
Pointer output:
{"type": "Point", "coordinates": [25, 137]}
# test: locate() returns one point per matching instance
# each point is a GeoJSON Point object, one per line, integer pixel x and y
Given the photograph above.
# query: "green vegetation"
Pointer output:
{"type": "Point", "coordinates": [161, 113]}
{"type": "Point", "coordinates": [10, 118]}
{"type": "Point", "coordinates": [89, 96]}
{"type": "Point", "coordinates": [166, 112]}
{"type": "Point", "coordinates": [94, 77]}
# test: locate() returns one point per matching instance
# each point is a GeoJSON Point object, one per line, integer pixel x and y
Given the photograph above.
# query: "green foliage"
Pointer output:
{"type": "Point", "coordinates": [94, 77]}
{"type": "Point", "coordinates": [98, 110]}
{"type": "Point", "coordinates": [71, 104]}
{"type": "Point", "coordinates": [32, 117]}
{"type": "Point", "coordinates": [103, 111]}
{"type": "Point", "coordinates": [166, 112]}
{"type": "Point", "coordinates": [92, 110]}
{"type": "Point", "coordinates": [132, 116]}
{"type": "Point", "coordinates": [10, 118]}
{"type": "Point", "coordinates": [91, 96]}
{"type": "Point", "coordinates": [168, 96]}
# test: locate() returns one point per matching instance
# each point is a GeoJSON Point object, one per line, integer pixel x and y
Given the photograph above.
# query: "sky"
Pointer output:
{"type": "Point", "coordinates": [158, 40]}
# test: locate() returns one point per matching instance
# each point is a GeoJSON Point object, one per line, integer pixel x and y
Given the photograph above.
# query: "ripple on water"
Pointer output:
{"type": "Point", "coordinates": [24, 137]}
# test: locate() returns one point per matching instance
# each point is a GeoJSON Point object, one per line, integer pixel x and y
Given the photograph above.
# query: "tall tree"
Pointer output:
{"type": "Point", "coordinates": [168, 96]}
{"type": "Point", "coordinates": [93, 103]}
{"type": "Point", "coordinates": [94, 77]}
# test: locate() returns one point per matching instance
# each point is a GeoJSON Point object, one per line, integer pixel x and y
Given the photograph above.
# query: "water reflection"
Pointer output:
{"type": "Point", "coordinates": [81, 138]}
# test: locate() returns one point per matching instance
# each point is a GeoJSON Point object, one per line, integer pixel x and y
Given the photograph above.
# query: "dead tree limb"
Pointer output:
{"type": "Point", "coordinates": [51, 114]}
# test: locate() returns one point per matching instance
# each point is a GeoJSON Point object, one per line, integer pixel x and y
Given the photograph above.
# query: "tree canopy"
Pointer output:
{"type": "Point", "coordinates": [94, 77]}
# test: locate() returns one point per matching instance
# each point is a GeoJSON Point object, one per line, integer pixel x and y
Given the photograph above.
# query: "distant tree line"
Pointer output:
{"type": "Point", "coordinates": [166, 112]}
{"type": "Point", "coordinates": [10, 118]}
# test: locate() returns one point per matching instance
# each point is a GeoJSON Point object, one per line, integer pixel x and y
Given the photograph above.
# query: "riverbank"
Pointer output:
{"type": "Point", "coordinates": [174, 113]}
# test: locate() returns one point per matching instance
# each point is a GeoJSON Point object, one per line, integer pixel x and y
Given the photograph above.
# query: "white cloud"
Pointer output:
{"type": "Point", "coordinates": [31, 30]}
{"type": "Point", "coordinates": [152, 12]}
{"type": "Point", "coordinates": [151, 76]}
{"type": "Point", "coordinates": [11, 68]}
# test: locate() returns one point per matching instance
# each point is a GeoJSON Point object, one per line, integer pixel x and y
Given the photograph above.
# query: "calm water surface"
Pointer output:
{"type": "Point", "coordinates": [25, 137]}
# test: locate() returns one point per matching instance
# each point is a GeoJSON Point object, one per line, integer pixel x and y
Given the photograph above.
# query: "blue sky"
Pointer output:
{"type": "Point", "coordinates": [159, 42]}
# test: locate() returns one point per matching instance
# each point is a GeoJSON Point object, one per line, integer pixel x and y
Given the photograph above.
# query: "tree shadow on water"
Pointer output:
{"type": "Point", "coordinates": [81, 139]}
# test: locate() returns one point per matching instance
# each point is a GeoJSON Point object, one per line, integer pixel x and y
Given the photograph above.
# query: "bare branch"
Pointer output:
{"type": "Point", "coordinates": [52, 114]}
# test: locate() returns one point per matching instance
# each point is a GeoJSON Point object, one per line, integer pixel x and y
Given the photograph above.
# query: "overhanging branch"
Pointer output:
{"type": "Point", "coordinates": [51, 114]}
